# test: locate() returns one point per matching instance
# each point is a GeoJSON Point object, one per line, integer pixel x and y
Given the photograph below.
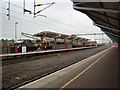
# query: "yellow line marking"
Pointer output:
{"type": "Point", "coordinates": [81, 73]}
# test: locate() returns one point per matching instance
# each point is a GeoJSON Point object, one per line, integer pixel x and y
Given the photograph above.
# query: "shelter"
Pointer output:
{"type": "Point", "coordinates": [52, 35]}
{"type": "Point", "coordinates": [55, 36]}
{"type": "Point", "coordinates": [47, 34]}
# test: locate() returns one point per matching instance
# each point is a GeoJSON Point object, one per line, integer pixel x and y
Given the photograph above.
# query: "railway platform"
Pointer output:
{"type": "Point", "coordinates": [97, 71]}
{"type": "Point", "coordinates": [37, 53]}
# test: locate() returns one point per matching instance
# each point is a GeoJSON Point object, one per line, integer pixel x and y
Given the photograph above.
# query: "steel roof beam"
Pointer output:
{"type": "Point", "coordinates": [102, 6]}
{"type": "Point", "coordinates": [90, 34]}
{"type": "Point", "coordinates": [102, 20]}
{"type": "Point", "coordinates": [116, 30]}
{"type": "Point", "coordinates": [106, 15]}
{"type": "Point", "coordinates": [96, 9]}
{"type": "Point", "coordinates": [119, 14]}
{"type": "Point", "coordinates": [111, 34]}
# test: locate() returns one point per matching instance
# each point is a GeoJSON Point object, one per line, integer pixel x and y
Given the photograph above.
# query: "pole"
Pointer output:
{"type": "Point", "coordinates": [16, 48]}
{"type": "Point", "coordinates": [8, 10]}
{"type": "Point", "coordinates": [55, 44]}
{"type": "Point", "coordinates": [16, 31]}
{"type": "Point", "coordinates": [99, 39]}
{"type": "Point", "coordinates": [94, 37]}
{"type": "Point", "coordinates": [42, 44]}
{"type": "Point", "coordinates": [77, 43]}
{"type": "Point", "coordinates": [64, 43]}
{"type": "Point", "coordinates": [34, 8]}
{"type": "Point", "coordinates": [23, 6]}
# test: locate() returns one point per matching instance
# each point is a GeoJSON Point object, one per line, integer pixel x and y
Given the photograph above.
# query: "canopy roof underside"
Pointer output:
{"type": "Point", "coordinates": [58, 36]}
{"type": "Point", "coordinates": [105, 15]}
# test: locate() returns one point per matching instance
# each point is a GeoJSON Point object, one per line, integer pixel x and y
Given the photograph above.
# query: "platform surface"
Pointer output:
{"type": "Point", "coordinates": [97, 71]}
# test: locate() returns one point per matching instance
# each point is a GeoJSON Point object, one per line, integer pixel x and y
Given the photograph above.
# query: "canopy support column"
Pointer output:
{"type": "Point", "coordinates": [55, 44]}
{"type": "Point", "coordinates": [64, 43]}
{"type": "Point", "coordinates": [42, 45]}
{"type": "Point", "coordinates": [77, 43]}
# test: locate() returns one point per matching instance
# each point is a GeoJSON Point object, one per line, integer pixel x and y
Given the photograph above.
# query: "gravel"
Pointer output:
{"type": "Point", "coordinates": [19, 72]}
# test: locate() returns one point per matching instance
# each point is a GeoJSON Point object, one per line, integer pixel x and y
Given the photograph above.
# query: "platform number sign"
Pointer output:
{"type": "Point", "coordinates": [24, 49]}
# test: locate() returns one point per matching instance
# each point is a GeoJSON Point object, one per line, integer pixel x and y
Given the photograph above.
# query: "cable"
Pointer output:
{"type": "Point", "coordinates": [62, 23]}
{"type": "Point", "coordinates": [23, 8]}
{"type": "Point", "coordinates": [71, 16]}
{"type": "Point", "coordinates": [66, 13]}
{"type": "Point", "coordinates": [30, 21]}
{"type": "Point", "coordinates": [32, 18]}
{"type": "Point", "coordinates": [40, 20]}
{"type": "Point", "coordinates": [15, 5]}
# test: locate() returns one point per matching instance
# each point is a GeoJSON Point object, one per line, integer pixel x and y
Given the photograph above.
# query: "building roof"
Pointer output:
{"type": "Point", "coordinates": [63, 36]}
{"type": "Point", "coordinates": [47, 34]}
{"type": "Point", "coordinates": [51, 35]}
{"type": "Point", "coordinates": [58, 36]}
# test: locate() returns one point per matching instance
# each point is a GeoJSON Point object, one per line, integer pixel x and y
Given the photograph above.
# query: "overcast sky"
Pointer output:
{"type": "Point", "coordinates": [61, 18]}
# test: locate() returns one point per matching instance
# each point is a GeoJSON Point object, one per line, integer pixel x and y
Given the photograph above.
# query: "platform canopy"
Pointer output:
{"type": "Point", "coordinates": [84, 39]}
{"type": "Point", "coordinates": [58, 36]}
{"type": "Point", "coordinates": [63, 36]}
{"type": "Point", "coordinates": [51, 35]}
{"type": "Point", "coordinates": [80, 39]}
{"type": "Point", "coordinates": [105, 15]}
{"type": "Point", "coordinates": [47, 34]}
{"type": "Point", "coordinates": [72, 37]}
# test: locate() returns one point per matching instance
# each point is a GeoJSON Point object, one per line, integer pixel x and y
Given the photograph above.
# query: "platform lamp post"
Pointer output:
{"type": "Point", "coordinates": [16, 48]}
{"type": "Point", "coordinates": [16, 31]}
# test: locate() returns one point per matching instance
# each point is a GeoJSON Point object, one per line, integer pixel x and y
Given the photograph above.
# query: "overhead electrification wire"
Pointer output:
{"type": "Point", "coordinates": [49, 18]}
{"type": "Point", "coordinates": [29, 21]}
{"type": "Point", "coordinates": [74, 18]}
{"type": "Point", "coordinates": [40, 20]}
{"type": "Point", "coordinates": [71, 17]}
{"type": "Point", "coordinates": [35, 23]}
{"type": "Point", "coordinates": [14, 5]}
{"type": "Point", "coordinates": [19, 7]}
{"type": "Point", "coordinates": [74, 28]}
